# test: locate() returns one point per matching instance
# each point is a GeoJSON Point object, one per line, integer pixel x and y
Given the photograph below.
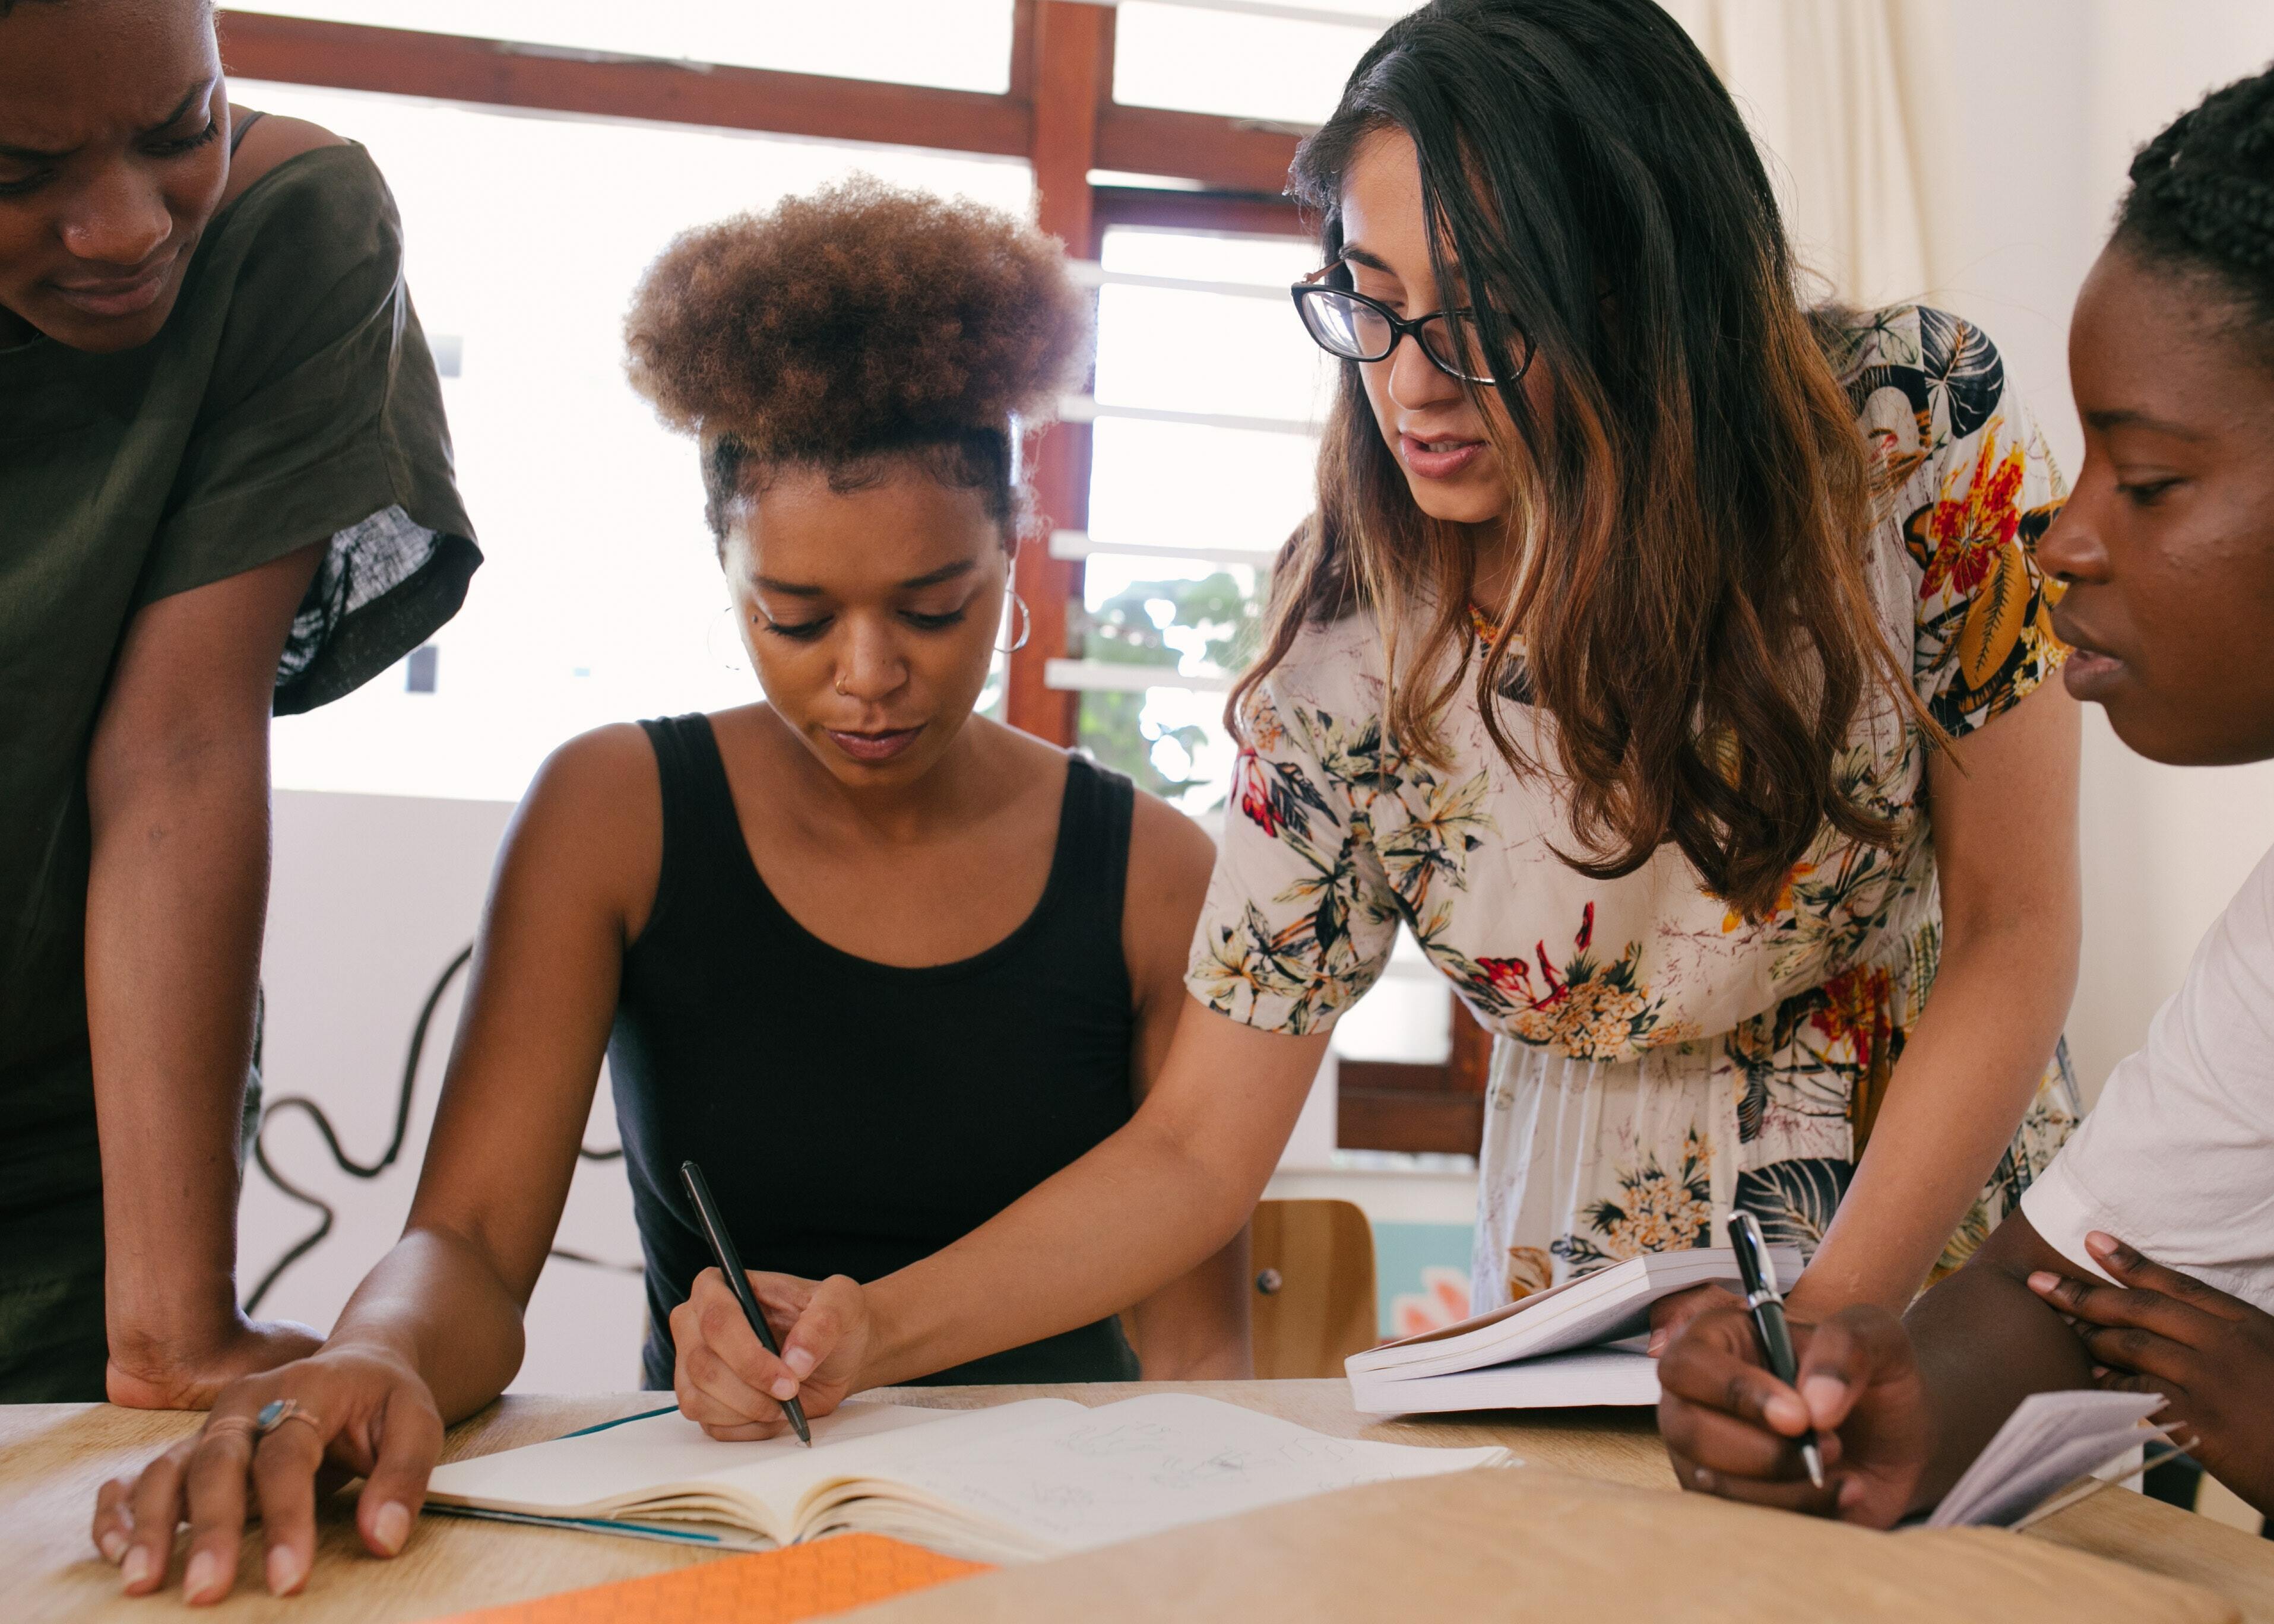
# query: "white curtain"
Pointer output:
{"type": "Point", "coordinates": [1852, 104]}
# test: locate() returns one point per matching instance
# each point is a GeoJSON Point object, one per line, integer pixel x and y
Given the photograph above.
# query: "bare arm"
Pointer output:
{"type": "Point", "coordinates": [1196, 1328]}
{"type": "Point", "coordinates": [2004, 809]}
{"type": "Point", "coordinates": [178, 889]}
{"type": "Point", "coordinates": [573, 885]}
{"type": "Point", "coordinates": [434, 1331]}
{"type": "Point", "coordinates": [1149, 1205]}
{"type": "Point", "coordinates": [1986, 1342]}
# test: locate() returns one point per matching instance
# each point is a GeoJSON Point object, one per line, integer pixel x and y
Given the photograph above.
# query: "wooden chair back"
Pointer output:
{"type": "Point", "coordinates": [1313, 1294]}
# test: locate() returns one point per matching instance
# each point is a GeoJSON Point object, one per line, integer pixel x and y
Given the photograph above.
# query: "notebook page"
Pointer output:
{"type": "Point", "coordinates": [2051, 1439]}
{"type": "Point", "coordinates": [1124, 1469]}
{"type": "Point", "coordinates": [787, 1481]}
{"type": "Point", "coordinates": [588, 1474]}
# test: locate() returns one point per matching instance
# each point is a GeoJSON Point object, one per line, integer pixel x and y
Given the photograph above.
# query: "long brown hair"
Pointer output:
{"type": "Point", "coordinates": [1690, 607]}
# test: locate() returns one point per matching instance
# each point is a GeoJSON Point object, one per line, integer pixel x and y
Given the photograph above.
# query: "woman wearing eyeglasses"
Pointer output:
{"type": "Point", "coordinates": [1669, 660]}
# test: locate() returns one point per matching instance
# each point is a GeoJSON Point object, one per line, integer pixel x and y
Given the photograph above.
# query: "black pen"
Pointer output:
{"type": "Point", "coordinates": [1767, 1310]}
{"type": "Point", "coordinates": [730, 1265]}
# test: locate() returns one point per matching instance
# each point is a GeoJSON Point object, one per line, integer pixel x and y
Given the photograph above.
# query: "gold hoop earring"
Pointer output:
{"type": "Point", "coordinates": [1025, 626]}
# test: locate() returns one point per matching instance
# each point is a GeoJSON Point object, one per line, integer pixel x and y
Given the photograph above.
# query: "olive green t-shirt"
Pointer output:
{"type": "Point", "coordinates": [288, 398]}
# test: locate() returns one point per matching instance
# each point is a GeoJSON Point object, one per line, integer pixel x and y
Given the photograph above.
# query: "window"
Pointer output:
{"type": "Point", "coordinates": [1184, 517]}
{"type": "Point", "coordinates": [956, 44]}
{"type": "Point", "coordinates": [1284, 63]}
{"type": "Point", "coordinates": [601, 599]}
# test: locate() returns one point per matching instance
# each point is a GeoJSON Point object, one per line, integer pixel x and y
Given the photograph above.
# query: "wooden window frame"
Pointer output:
{"type": "Point", "coordinates": [1059, 114]}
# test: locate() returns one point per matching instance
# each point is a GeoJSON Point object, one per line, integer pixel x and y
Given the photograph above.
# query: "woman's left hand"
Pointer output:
{"type": "Point", "coordinates": [2210, 1354]}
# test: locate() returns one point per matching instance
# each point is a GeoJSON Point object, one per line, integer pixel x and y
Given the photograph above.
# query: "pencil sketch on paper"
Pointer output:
{"type": "Point", "coordinates": [1228, 1466]}
{"type": "Point", "coordinates": [1100, 1443]}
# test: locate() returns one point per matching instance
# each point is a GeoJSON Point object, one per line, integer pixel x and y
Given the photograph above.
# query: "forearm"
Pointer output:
{"type": "Point", "coordinates": [438, 1303]}
{"type": "Point", "coordinates": [1966, 1078]}
{"type": "Point", "coordinates": [1984, 1342]}
{"type": "Point", "coordinates": [1197, 1327]}
{"type": "Point", "coordinates": [176, 893]}
{"type": "Point", "coordinates": [1129, 1217]}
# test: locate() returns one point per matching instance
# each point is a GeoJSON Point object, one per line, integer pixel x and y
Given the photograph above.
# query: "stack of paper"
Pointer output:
{"type": "Point", "coordinates": [2049, 1442]}
{"type": "Point", "coordinates": [1579, 1343]}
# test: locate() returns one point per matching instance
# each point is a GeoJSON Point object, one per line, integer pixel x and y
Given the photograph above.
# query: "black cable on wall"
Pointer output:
{"type": "Point", "coordinates": [327, 1214]}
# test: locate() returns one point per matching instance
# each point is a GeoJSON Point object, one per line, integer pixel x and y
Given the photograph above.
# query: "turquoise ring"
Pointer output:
{"type": "Point", "coordinates": [276, 1412]}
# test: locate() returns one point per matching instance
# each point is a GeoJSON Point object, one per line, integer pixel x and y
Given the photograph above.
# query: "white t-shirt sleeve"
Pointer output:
{"type": "Point", "coordinates": [2177, 1159]}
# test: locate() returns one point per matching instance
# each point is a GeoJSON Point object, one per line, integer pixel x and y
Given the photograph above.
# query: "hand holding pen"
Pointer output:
{"type": "Point", "coordinates": [730, 1267]}
{"type": "Point", "coordinates": [1766, 1306]}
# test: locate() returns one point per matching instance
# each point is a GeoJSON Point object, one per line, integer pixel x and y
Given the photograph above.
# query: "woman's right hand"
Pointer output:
{"type": "Point", "coordinates": [732, 1387]}
{"type": "Point", "coordinates": [361, 1412]}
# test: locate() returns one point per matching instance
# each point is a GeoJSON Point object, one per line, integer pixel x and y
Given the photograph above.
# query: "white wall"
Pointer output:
{"type": "Point", "coordinates": [2053, 98]}
{"type": "Point", "coordinates": [372, 896]}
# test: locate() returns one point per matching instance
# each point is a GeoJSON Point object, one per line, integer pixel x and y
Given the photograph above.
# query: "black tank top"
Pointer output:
{"type": "Point", "coordinates": [853, 1117]}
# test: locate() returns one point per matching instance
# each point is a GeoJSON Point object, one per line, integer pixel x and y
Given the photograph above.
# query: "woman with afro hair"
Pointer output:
{"type": "Point", "coordinates": [2143, 1260]}
{"type": "Point", "coordinates": [881, 966]}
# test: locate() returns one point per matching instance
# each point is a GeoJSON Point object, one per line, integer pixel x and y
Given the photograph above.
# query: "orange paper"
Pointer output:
{"type": "Point", "coordinates": [765, 1586]}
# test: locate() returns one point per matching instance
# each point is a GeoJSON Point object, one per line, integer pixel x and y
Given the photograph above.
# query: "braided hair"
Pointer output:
{"type": "Point", "coordinates": [2202, 194]}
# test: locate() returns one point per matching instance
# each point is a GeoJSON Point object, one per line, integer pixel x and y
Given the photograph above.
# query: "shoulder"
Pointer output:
{"type": "Point", "coordinates": [303, 212]}
{"type": "Point", "coordinates": [270, 142]}
{"type": "Point", "coordinates": [592, 818]}
{"type": "Point", "coordinates": [606, 776]}
{"type": "Point", "coordinates": [1945, 368]}
{"type": "Point", "coordinates": [1170, 861]}
{"type": "Point", "coordinates": [1333, 667]}
{"type": "Point", "coordinates": [1171, 852]}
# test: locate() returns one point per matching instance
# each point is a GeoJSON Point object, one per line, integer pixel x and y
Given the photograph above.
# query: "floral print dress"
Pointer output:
{"type": "Point", "coordinates": [1660, 1060]}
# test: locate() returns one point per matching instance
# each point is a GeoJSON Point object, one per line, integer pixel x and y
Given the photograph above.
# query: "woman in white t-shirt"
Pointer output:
{"type": "Point", "coordinates": [2153, 1230]}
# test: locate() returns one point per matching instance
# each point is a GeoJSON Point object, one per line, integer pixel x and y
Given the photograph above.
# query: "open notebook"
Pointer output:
{"type": "Point", "coordinates": [1017, 1481]}
{"type": "Point", "coordinates": [1577, 1343]}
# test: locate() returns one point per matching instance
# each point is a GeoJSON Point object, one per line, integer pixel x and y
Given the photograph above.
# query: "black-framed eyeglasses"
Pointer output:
{"type": "Point", "coordinates": [1357, 328]}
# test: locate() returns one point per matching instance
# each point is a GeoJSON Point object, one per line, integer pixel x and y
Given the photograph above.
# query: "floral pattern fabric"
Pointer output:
{"type": "Point", "coordinates": [1659, 1059]}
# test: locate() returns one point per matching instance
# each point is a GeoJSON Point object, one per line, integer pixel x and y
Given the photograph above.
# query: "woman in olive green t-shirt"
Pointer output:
{"type": "Point", "coordinates": [225, 487]}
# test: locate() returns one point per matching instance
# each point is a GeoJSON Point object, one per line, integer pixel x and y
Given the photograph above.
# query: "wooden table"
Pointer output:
{"type": "Point", "coordinates": [54, 1456]}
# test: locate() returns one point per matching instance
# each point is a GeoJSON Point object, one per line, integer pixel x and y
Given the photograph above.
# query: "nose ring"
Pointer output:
{"type": "Point", "coordinates": [841, 687]}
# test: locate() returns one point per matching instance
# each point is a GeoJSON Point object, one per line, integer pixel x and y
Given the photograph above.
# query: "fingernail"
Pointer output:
{"type": "Point", "coordinates": [113, 1546]}
{"type": "Point", "coordinates": [136, 1570]}
{"type": "Point", "coordinates": [2101, 1241]}
{"type": "Point", "coordinates": [284, 1570]}
{"type": "Point", "coordinates": [1786, 1412]}
{"type": "Point", "coordinates": [1823, 1394]}
{"type": "Point", "coordinates": [205, 1572]}
{"type": "Point", "coordinates": [392, 1526]}
{"type": "Point", "coordinates": [1657, 1344]}
{"type": "Point", "coordinates": [800, 1362]}
{"type": "Point", "coordinates": [784, 1389]}
{"type": "Point", "coordinates": [2041, 1282]}
{"type": "Point", "coordinates": [2098, 1372]}
{"type": "Point", "coordinates": [1851, 1493]}
{"type": "Point", "coordinates": [1703, 1478]}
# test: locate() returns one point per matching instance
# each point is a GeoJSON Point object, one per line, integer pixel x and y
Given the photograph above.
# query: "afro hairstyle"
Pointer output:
{"type": "Point", "coordinates": [854, 322]}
